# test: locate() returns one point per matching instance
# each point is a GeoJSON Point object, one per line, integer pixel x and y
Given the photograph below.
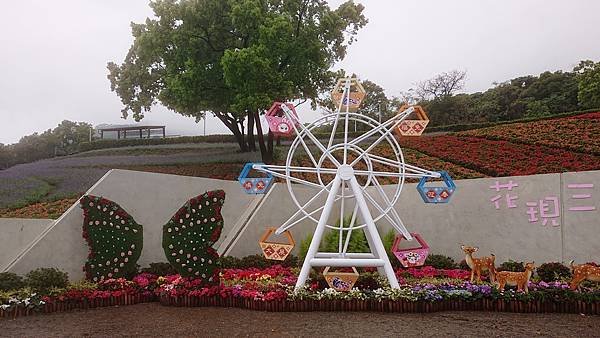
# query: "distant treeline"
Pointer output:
{"type": "Point", "coordinates": [523, 97]}
{"type": "Point", "coordinates": [62, 140]}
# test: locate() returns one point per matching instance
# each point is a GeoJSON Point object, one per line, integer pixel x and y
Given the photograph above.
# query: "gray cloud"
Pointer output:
{"type": "Point", "coordinates": [53, 54]}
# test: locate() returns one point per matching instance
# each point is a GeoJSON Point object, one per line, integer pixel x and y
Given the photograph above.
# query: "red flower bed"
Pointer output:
{"type": "Point", "coordinates": [580, 133]}
{"type": "Point", "coordinates": [502, 158]}
{"type": "Point", "coordinates": [430, 272]}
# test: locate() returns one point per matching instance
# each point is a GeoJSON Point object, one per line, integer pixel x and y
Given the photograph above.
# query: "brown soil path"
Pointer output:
{"type": "Point", "coordinates": [155, 320]}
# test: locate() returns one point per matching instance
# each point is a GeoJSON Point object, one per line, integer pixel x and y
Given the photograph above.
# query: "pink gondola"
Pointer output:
{"type": "Point", "coordinates": [279, 123]}
{"type": "Point", "coordinates": [413, 256]}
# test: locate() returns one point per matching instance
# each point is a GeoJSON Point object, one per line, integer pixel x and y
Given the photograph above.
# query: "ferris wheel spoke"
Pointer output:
{"type": "Point", "coordinates": [398, 226]}
{"type": "Point", "coordinates": [392, 210]}
{"type": "Point", "coordinates": [414, 171]}
{"type": "Point", "coordinates": [288, 224]}
{"type": "Point", "coordinates": [285, 226]}
{"type": "Point", "coordinates": [295, 169]}
{"type": "Point", "coordinates": [310, 135]}
{"type": "Point", "coordinates": [291, 178]}
{"type": "Point", "coordinates": [307, 150]}
{"type": "Point", "coordinates": [392, 122]}
{"type": "Point", "coordinates": [389, 174]}
{"type": "Point", "coordinates": [384, 135]}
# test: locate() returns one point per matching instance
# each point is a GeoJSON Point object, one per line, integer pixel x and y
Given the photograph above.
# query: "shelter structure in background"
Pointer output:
{"type": "Point", "coordinates": [135, 131]}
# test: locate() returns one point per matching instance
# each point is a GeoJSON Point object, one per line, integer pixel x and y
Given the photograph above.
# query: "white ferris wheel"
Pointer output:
{"type": "Point", "coordinates": [350, 175]}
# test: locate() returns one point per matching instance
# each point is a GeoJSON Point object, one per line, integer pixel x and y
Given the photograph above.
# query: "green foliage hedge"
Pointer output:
{"type": "Point", "coordinates": [10, 281]}
{"type": "Point", "coordinates": [103, 144]}
{"type": "Point", "coordinates": [440, 262]}
{"type": "Point", "coordinates": [511, 265]}
{"type": "Point", "coordinates": [549, 272]}
{"type": "Point", "coordinates": [44, 279]}
{"type": "Point", "coordinates": [256, 261]}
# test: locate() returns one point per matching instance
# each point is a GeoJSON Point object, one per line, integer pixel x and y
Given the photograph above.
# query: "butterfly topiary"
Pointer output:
{"type": "Point", "coordinates": [189, 235]}
{"type": "Point", "coordinates": [115, 240]}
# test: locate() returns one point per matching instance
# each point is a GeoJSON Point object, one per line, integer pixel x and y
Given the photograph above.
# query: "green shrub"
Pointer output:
{"type": "Point", "coordinates": [512, 266]}
{"type": "Point", "coordinates": [388, 241]}
{"type": "Point", "coordinates": [255, 261]}
{"type": "Point", "coordinates": [259, 261]}
{"type": "Point", "coordinates": [229, 262]}
{"type": "Point", "coordinates": [316, 276]}
{"type": "Point", "coordinates": [10, 281]}
{"type": "Point", "coordinates": [160, 269]}
{"type": "Point", "coordinates": [330, 242]}
{"type": "Point", "coordinates": [304, 244]}
{"type": "Point", "coordinates": [463, 265]}
{"type": "Point", "coordinates": [43, 279]}
{"type": "Point", "coordinates": [549, 272]}
{"type": "Point", "coordinates": [358, 242]}
{"type": "Point", "coordinates": [440, 261]}
{"type": "Point", "coordinates": [368, 281]}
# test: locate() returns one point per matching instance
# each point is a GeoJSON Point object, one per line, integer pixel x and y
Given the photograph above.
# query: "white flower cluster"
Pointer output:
{"type": "Point", "coordinates": [32, 301]}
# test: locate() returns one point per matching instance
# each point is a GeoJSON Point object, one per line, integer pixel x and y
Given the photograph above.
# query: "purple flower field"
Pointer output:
{"type": "Point", "coordinates": [72, 175]}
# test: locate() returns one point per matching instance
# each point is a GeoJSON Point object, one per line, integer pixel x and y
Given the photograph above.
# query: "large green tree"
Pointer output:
{"type": "Point", "coordinates": [233, 58]}
{"type": "Point", "coordinates": [588, 73]}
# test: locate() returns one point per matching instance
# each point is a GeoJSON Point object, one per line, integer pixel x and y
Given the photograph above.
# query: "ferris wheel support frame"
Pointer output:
{"type": "Point", "coordinates": [346, 179]}
{"type": "Point", "coordinates": [378, 256]}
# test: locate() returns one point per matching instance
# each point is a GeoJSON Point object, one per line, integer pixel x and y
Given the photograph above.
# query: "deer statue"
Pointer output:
{"type": "Point", "coordinates": [582, 272]}
{"type": "Point", "coordinates": [479, 265]}
{"type": "Point", "coordinates": [518, 279]}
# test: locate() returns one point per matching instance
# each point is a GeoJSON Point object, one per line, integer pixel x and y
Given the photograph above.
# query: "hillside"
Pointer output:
{"type": "Point", "coordinates": [45, 188]}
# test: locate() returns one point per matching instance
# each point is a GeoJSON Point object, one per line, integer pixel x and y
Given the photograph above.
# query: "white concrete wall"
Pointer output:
{"type": "Point", "coordinates": [16, 233]}
{"type": "Point", "coordinates": [470, 218]}
{"type": "Point", "coordinates": [152, 199]}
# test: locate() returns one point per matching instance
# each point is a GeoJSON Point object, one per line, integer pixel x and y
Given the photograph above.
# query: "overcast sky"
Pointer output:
{"type": "Point", "coordinates": [53, 54]}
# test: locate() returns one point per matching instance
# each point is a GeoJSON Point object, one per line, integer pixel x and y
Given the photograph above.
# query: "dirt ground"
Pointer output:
{"type": "Point", "coordinates": [155, 320]}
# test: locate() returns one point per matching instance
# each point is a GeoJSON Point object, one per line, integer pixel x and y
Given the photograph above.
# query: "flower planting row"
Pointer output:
{"type": "Point", "coordinates": [424, 289]}
{"type": "Point", "coordinates": [500, 157]}
{"type": "Point", "coordinates": [579, 133]}
{"type": "Point", "coordinates": [399, 306]}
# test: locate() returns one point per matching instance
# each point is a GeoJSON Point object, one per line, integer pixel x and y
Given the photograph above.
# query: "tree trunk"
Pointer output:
{"type": "Point", "coordinates": [234, 126]}
{"type": "Point", "coordinates": [251, 143]}
{"type": "Point", "coordinates": [267, 155]}
{"type": "Point", "coordinates": [270, 145]}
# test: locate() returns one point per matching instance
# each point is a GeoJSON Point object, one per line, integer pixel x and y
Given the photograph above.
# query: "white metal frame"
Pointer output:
{"type": "Point", "coordinates": [345, 187]}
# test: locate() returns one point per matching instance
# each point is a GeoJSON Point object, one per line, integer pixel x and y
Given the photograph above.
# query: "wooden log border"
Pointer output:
{"type": "Point", "coordinates": [70, 305]}
{"type": "Point", "coordinates": [390, 306]}
{"type": "Point", "coordinates": [398, 306]}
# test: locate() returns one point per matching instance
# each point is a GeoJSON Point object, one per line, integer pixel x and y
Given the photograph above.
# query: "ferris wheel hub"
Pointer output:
{"type": "Point", "coordinates": [345, 172]}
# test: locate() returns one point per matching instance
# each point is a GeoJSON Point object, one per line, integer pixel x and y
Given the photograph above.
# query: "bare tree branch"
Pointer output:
{"type": "Point", "coordinates": [445, 84]}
